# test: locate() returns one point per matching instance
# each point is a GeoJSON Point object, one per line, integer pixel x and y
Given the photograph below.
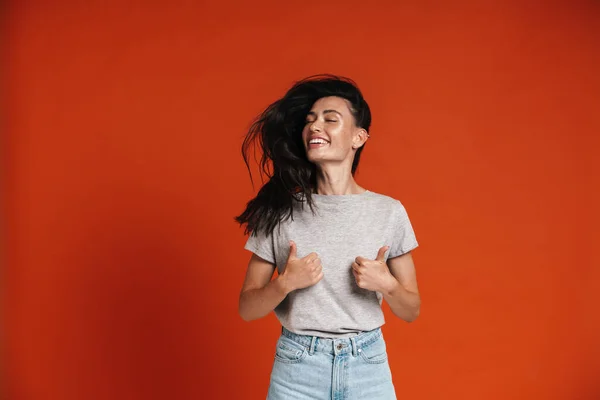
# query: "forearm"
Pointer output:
{"type": "Point", "coordinates": [257, 303]}
{"type": "Point", "coordinates": [404, 304]}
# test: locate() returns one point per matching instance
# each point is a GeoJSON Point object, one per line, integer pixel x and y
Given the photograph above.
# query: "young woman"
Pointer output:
{"type": "Point", "coordinates": [339, 248]}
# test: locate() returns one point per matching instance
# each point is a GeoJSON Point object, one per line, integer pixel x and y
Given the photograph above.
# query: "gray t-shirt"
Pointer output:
{"type": "Point", "coordinates": [345, 227]}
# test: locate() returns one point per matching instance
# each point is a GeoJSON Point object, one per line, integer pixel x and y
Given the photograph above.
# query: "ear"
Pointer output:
{"type": "Point", "coordinates": [360, 137]}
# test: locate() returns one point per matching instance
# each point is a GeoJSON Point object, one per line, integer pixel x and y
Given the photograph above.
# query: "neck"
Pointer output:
{"type": "Point", "coordinates": [329, 184]}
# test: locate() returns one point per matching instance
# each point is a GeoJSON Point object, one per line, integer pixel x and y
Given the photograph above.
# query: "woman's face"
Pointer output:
{"type": "Point", "coordinates": [330, 131]}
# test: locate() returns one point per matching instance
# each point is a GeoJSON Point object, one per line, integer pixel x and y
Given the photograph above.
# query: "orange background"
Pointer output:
{"type": "Point", "coordinates": [122, 173]}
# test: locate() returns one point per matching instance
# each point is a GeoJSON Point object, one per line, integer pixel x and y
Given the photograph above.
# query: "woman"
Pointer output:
{"type": "Point", "coordinates": [339, 248]}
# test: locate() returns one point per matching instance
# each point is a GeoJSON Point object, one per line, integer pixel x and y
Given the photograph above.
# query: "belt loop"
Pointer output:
{"type": "Point", "coordinates": [312, 345]}
{"type": "Point", "coordinates": [354, 350]}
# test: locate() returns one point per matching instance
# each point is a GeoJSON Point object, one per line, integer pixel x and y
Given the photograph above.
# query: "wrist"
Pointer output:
{"type": "Point", "coordinates": [283, 284]}
{"type": "Point", "coordinates": [391, 287]}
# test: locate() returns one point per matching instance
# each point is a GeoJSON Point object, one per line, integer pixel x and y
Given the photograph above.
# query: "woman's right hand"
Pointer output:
{"type": "Point", "coordinates": [302, 272]}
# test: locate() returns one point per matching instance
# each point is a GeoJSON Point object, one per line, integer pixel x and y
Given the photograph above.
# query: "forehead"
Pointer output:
{"type": "Point", "coordinates": [331, 103]}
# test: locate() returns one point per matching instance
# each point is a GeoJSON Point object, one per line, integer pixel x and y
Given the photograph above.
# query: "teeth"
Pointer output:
{"type": "Point", "coordinates": [317, 141]}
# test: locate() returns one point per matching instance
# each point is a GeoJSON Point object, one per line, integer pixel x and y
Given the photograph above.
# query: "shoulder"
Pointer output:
{"type": "Point", "coordinates": [386, 201]}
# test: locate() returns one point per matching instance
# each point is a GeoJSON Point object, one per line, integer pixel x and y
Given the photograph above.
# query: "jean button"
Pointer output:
{"type": "Point", "coordinates": [339, 346]}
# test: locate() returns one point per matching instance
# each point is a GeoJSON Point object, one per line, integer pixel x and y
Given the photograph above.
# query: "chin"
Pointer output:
{"type": "Point", "coordinates": [322, 158]}
{"type": "Point", "coordinates": [316, 160]}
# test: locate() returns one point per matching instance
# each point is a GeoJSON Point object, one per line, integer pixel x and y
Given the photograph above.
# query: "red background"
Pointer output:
{"type": "Point", "coordinates": [122, 173]}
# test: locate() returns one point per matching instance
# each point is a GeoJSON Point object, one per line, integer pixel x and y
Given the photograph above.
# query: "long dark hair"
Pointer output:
{"type": "Point", "coordinates": [278, 132]}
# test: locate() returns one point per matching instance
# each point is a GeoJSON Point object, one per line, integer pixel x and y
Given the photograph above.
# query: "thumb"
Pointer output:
{"type": "Point", "coordinates": [292, 250]}
{"type": "Point", "coordinates": [381, 253]}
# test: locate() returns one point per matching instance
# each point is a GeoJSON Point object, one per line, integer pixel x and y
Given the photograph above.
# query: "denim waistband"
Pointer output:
{"type": "Point", "coordinates": [332, 345]}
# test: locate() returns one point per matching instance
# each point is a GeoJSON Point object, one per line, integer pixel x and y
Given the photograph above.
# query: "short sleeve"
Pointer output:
{"type": "Point", "coordinates": [261, 244]}
{"type": "Point", "coordinates": [403, 235]}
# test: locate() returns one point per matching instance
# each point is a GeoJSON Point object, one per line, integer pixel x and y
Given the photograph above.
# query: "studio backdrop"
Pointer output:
{"type": "Point", "coordinates": [122, 173]}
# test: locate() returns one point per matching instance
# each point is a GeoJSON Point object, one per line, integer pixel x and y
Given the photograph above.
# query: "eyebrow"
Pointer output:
{"type": "Point", "coordinates": [325, 112]}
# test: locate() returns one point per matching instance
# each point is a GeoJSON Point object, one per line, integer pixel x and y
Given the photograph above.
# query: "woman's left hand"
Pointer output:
{"type": "Point", "coordinates": [373, 274]}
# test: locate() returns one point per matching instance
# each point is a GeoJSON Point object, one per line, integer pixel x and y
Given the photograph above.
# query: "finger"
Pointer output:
{"type": "Point", "coordinates": [381, 253]}
{"type": "Point", "coordinates": [355, 267]}
{"type": "Point", "coordinates": [293, 250]}
{"type": "Point", "coordinates": [357, 279]}
{"type": "Point", "coordinates": [359, 260]}
{"type": "Point", "coordinates": [312, 258]}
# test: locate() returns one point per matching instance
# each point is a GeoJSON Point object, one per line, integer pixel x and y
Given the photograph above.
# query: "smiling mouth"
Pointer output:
{"type": "Point", "coordinates": [317, 143]}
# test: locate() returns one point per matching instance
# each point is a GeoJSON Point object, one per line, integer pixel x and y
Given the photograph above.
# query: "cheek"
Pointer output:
{"type": "Point", "coordinates": [341, 137]}
{"type": "Point", "coordinates": [305, 132]}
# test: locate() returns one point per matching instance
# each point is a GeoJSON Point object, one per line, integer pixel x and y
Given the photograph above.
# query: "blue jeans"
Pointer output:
{"type": "Point", "coordinates": [311, 367]}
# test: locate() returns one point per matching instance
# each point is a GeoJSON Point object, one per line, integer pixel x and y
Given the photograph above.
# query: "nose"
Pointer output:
{"type": "Point", "coordinates": [314, 127]}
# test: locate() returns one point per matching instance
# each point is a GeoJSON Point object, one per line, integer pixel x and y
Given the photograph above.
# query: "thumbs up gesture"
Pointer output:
{"type": "Point", "coordinates": [301, 272]}
{"type": "Point", "coordinates": [372, 274]}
